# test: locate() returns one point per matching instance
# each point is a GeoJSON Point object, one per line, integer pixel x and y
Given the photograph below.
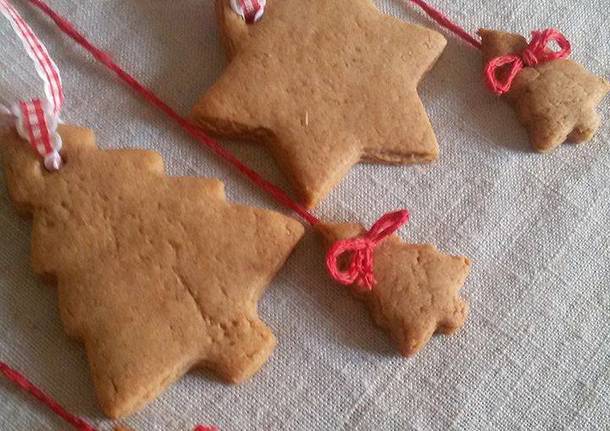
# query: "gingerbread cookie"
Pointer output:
{"type": "Point", "coordinates": [556, 101]}
{"type": "Point", "coordinates": [156, 275]}
{"type": "Point", "coordinates": [416, 293]}
{"type": "Point", "coordinates": [323, 84]}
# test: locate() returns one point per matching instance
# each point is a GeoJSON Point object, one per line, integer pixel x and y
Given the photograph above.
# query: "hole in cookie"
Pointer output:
{"type": "Point", "coordinates": [45, 171]}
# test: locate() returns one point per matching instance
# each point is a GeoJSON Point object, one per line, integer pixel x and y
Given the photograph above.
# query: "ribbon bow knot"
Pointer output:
{"type": "Point", "coordinates": [361, 249]}
{"type": "Point", "coordinates": [537, 52]}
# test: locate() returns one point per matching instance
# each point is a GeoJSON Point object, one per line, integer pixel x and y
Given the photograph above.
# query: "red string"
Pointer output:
{"type": "Point", "coordinates": [274, 191]}
{"type": "Point", "coordinates": [445, 22]}
{"type": "Point", "coordinates": [78, 423]}
{"type": "Point", "coordinates": [537, 52]}
{"type": "Point", "coordinates": [27, 386]}
{"type": "Point", "coordinates": [360, 267]}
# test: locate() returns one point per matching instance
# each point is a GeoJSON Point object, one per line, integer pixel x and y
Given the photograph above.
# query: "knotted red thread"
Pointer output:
{"type": "Point", "coordinates": [360, 267]}
{"type": "Point", "coordinates": [537, 52]}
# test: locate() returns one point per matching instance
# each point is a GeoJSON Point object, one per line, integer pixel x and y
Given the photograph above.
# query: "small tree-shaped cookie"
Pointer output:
{"type": "Point", "coordinates": [416, 293]}
{"type": "Point", "coordinates": [156, 275]}
{"type": "Point", "coordinates": [555, 100]}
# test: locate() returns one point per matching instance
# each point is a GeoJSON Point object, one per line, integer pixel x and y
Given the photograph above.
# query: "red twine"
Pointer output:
{"type": "Point", "coordinates": [78, 423]}
{"type": "Point", "coordinates": [27, 386]}
{"type": "Point", "coordinates": [537, 52]}
{"type": "Point", "coordinates": [360, 267]}
{"type": "Point", "coordinates": [445, 22]}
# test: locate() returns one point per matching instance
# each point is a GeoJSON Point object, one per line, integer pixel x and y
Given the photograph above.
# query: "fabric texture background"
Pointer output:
{"type": "Point", "coordinates": [535, 351]}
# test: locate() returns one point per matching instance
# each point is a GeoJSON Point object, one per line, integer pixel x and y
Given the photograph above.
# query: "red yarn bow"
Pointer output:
{"type": "Point", "coordinates": [537, 52]}
{"type": "Point", "coordinates": [360, 268]}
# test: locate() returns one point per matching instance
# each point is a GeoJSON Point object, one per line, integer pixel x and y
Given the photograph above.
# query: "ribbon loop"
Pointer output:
{"type": "Point", "coordinates": [36, 120]}
{"type": "Point", "coordinates": [361, 250]}
{"type": "Point", "coordinates": [537, 52]}
{"type": "Point", "coordinates": [388, 224]}
{"type": "Point", "coordinates": [250, 10]}
{"type": "Point", "coordinates": [36, 123]}
{"type": "Point", "coordinates": [494, 81]}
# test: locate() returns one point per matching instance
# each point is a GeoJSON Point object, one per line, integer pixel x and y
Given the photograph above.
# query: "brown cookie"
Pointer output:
{"type": "Point", "coordinates": [156, 275]}
{"type": "Point", "coordinates": [323, 84]}
{"type": "Point", "coordinates": [417, 289]}
{"type": "Point", "coordinates": [556, 101]}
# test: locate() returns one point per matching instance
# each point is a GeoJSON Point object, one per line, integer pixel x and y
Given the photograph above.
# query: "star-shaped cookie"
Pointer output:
{"type": "Point", "coordinates": [417, 290]}
{"type": "Point", "coordinates": [323, 85]}
{"type": "Point", "coordinates": [156, 275]}
{"type": "Point", "coordinates": [556, 101]}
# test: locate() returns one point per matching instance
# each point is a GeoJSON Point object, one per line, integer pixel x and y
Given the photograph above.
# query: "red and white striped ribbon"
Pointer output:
{"type": "Point", "coordinates": [250, 10]}
{"type": "Point", "coordinates": [37, 119]}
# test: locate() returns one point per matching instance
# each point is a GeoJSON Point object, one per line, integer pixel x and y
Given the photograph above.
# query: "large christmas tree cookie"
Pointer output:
{"type": "Point", "coordinates": [155, 275]}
